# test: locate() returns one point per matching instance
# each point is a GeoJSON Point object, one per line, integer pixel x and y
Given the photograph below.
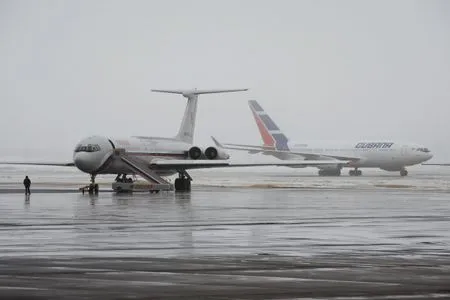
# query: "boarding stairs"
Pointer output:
{"type": "Point", "coordinates": [140, 167]}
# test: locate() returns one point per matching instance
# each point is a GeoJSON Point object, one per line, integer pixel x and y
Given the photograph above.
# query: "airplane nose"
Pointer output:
{"type": "Point", "coordinates": [426, 156]}
{"type": "Point", "coordinates": [83, 161]}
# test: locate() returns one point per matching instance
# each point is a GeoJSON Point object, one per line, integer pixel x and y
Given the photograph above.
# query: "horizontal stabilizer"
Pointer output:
{"type": "Point", "coordinates": [198, 92]}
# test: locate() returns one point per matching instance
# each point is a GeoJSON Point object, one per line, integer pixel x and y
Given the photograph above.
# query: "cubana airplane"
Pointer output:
{"type": "Point", "coordinates": [386, 155]}
{"type": "Point", "coordinates": [154, 157]}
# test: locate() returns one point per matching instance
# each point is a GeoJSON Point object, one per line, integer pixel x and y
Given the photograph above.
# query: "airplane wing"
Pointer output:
{"type": "Point", "coordinates": [57, 164]}
{"type": "Point", "coordinates": [271, 150]}
{"type": "Point", "coordinates": [181, 164]}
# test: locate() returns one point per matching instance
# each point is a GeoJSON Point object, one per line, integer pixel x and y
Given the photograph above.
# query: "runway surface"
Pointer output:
{"type": "Point", "coordinates": [374, 237]}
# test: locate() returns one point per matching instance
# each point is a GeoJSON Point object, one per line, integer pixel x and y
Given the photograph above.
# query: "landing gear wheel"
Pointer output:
{"type": "Point", "coordinates": [403, 172]}
{"type": "Point", "coordinates": [183, 183]}
{"type": "Point", "coordinates": [355, 172]}
{"type": "Point", "coordinates": [187, 185]}
{"type": "Point", "coordinates": [178, 184]}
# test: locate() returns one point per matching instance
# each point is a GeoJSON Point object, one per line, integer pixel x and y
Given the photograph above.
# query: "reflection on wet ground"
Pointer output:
{"type": "Point", "coordinates": [224, 221]}
{"type": "Point", "coordinates": [236, 242]}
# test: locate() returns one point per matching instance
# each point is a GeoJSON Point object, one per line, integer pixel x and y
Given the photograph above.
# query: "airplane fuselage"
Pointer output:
{"type": "Point", "coordinates": [386, 155]}
{"type": "Point", "coordinates": [94, 154]}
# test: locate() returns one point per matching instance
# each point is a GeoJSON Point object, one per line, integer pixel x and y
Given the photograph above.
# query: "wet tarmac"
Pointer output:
{"type": "Point", "coordinates": [226, 277]}
{"type": "Point", "coordinates": [226, 243]}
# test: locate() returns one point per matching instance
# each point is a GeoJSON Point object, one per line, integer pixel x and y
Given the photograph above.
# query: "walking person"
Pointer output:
{"type": "Point", "coordinates": [27, 183]}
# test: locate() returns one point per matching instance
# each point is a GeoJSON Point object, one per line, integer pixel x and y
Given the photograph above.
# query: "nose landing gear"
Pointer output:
{"type": "Point", "coordinates": [403, 172]}
{"type": "Point", "coordinates": [92, 188]}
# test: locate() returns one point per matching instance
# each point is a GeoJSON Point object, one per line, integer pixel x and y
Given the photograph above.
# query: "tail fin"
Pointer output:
{"type": "Point", "coordinates": [186, 131]}
{"type": "Point", "coordinates": [270, 133]}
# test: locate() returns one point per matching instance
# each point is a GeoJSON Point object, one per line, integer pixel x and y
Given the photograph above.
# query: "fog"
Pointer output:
{"type": "Point", "coordinates": [339, 70]}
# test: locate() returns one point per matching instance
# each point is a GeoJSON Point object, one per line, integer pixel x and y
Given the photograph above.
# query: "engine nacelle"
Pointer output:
{"type": "Point", "coordinates": [214, 153]}
{"type": "Point", "coordinates": [330, 170]}
{"type": "Point", "coordinates": [330, 167]}
{"type": "Point", "coordinates": [392, 168]}
{"type": "Point", "coordinates": [195, 153]}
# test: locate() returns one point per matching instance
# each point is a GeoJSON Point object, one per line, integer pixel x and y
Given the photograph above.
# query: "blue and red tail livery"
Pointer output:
{"type": "Point", "coordinates": [270, 132]}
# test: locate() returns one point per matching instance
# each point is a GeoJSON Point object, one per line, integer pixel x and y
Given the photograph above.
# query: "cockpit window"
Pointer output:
{"type": "Point", "coordinates": [87, 148]}
{"type": "Point", "coordinates": [425, 150]}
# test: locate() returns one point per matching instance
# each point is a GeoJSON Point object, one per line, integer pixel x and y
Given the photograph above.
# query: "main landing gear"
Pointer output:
{"type": "Point", "coordinates": [355, 172]}
{"type": "Point", "coordinates": [92, 188]}
{"type": "Point", "coordinates": [183, 182]}
{"type": "Point", "coordinates": [403, 172]}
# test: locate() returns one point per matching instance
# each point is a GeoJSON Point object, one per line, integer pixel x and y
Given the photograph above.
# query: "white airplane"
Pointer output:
{"type": "Point", "coordinates": [386, 155]}
{"type": "Point", "coordinates": [153, 157]}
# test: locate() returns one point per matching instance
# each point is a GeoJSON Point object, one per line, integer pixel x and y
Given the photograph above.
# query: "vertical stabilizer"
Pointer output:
{"type": "Point", "coordinates": [270, 133]}
{"type": "Point", "coordinates": [187, 127]}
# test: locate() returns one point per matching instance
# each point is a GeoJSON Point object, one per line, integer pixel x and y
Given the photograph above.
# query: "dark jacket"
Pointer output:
{"type": "Point", "coordinates": [26, 182]}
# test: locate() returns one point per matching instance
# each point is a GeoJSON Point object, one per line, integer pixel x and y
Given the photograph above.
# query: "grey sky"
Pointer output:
{"type": "Point", "coordinates": [340, 70]}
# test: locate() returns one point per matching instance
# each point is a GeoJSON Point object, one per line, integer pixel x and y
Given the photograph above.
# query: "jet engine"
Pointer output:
{"type": "Point", "coordinates": [330, 170]}
{"type": "Point", "coordinates": [392, 168]}
{"type": "Point", "coordinates": [195, 152]}
{"type": "Point", "coordinates": [214, 153]}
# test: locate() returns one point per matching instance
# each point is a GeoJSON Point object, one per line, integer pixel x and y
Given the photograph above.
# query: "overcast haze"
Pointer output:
{"type": "Point", "coordinates": [339, 70]}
